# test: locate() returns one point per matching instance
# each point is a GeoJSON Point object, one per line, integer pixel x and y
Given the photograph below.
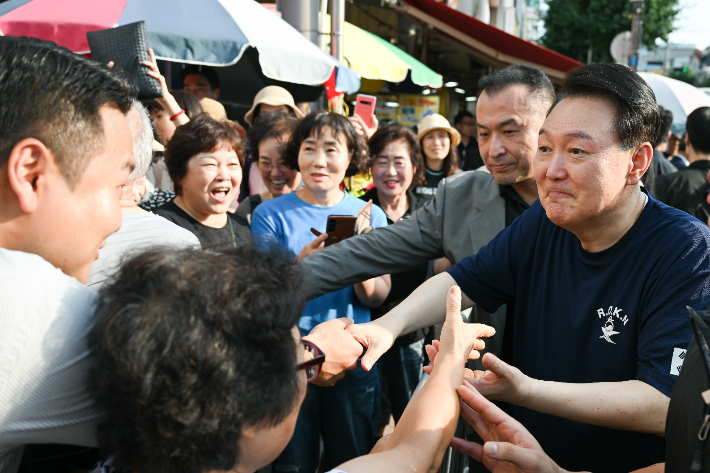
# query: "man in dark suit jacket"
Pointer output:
{"type": "Point", "coordinates": [469, 209]}
{"type": "Point", "coordinates": [688, 188]}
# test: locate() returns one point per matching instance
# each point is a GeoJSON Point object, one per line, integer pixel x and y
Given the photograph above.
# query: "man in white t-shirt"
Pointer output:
{"type": "Point", "coordinates": [65, 152]}
{"type": "Point", "coordinates": [140, 229]}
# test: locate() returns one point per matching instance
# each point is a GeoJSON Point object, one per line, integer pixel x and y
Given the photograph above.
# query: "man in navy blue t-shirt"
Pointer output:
{"type": "Point", "coordinates": [600, 273]}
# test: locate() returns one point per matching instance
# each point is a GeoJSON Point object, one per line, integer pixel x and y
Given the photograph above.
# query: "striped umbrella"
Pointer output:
{"type": "Point", "coordinates": [208, 32]}
{"type": "Point", "coordinates": [676, 96]}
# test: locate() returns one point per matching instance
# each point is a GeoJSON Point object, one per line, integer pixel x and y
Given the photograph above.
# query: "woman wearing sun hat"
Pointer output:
{"type": "Point", "coordinates": [438, 140]}
{"type": "Point", "coordinates": [272, 99]}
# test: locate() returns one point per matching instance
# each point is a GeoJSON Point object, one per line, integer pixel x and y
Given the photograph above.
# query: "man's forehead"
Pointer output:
{"type": "Point", "coordinates": [512, 102]}
{"type": "Point", "coordinates": [581, 117]}
{"type": "Point", "coordinates": [196, 78]}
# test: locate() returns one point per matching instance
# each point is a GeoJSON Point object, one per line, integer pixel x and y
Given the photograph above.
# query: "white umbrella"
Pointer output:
{"type": "Point", "coordinates": [677, 96]}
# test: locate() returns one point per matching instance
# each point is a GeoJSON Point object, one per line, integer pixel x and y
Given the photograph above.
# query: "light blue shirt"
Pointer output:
{"type": "Point", "coordinates": [288, 221]}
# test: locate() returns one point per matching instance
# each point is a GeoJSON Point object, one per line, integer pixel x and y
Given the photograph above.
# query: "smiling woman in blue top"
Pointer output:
{"type": "Point", "coordinates": [326, 148]}
{"type": "Point", "coordinates": [600, 273]}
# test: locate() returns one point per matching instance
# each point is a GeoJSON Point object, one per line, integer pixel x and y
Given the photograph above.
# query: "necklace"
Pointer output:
{"type": "Point", "coordinates": [231, 230]}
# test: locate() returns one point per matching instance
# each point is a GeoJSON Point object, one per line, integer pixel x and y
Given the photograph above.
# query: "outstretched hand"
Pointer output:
{"type": "Point", "coordinates": [314, 246]}
{"type": "Point", "coordinates": [376, 337]}
{"type": "Point", "coordinates": [457, 336]}
{"type": "Point", "coordinates": [154, 72]}
{"type": "Point", "coordinates": [340, 348]}
{"type": "Point", "coordinates": [508, 446]}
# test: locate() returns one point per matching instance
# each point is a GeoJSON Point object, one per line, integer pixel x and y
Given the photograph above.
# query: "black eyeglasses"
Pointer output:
{"type": "Point", "coordinates": [313, 365]}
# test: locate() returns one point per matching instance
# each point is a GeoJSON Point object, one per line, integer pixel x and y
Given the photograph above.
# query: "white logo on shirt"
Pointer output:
{"type": "Point", "coordinates": [608, 327]}
{"type": "Point", "coordinates": [677, 361]}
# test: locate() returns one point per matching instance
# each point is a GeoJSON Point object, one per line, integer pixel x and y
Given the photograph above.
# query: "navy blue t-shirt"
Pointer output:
{"type": "Point", "coordinates": [583, 317]}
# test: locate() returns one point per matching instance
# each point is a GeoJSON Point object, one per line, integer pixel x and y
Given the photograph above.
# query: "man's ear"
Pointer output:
{"type": "Point", "coordinates": [640, 161]}
{"type": "Point", "coordinates": [28, 161]}
{"type": "Point", "coordinates": [687, 142]}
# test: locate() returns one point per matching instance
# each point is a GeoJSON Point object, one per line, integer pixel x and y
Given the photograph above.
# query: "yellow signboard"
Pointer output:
{"type": "Point", "coordinates": [413, 108]}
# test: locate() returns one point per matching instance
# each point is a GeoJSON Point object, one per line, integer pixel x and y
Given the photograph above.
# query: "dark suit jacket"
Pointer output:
{"type": "Point", "coordinates": [464, 215]}
{"type": "Point", "coordinates": [687, 189]}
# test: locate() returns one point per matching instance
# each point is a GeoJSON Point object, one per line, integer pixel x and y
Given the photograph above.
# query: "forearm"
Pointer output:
{"type": "Point", "coordinates": [426, 427]}
{"type": "Point", "coordinates": [424, 307]}
{"type": "Point", "coordinates": [627, 405]}
{"type": "Point", "coordinates": [386, 250]}
{"type": "Point", "coordinates": [373, 292]}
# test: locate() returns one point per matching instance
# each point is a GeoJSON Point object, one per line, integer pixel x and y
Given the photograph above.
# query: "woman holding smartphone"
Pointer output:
{"type": "Point", "coordinates": [325, 148]}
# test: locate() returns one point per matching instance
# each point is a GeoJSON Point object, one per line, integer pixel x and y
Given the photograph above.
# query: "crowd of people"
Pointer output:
{"type": "Point", "coordinates": [169, 296]}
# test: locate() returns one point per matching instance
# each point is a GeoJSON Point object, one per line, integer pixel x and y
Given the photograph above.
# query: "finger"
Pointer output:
{"type": "Point", "coordinates": [472, 449]}
{"type": "Point", "coordinates": [321, 239]}
{"type": "Point", "coordinates": [474, 355]}
{"type": "Point", "coordinates": [428, 369]}
{"type": "Point", "coordinates": [110, 64]}
{"type": "Point", "coordinates": [453, 305]}
{"type": "Point", "coordinates": [482, 330]}
{"type": "Point", "coordinates": [152, 56]}
{"type": "Point", "coordinates": [478, 423]}
{"type": "Point", "coordinates": [523, 458]}
{"type": "Point", "coordinates": [489, 411]}
{"type": "Point", "coordinates": [479, 344]}
{"type": "Point", "coordinates": [436, 344]}
{"type": "Point", "coordinates": [431, 353]}
{"type": "Point", "coordinates": [373, 353]}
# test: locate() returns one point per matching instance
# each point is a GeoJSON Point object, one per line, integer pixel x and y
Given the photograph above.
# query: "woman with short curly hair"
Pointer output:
{"type": "Point", "coordinates": [325, 148]}
{"type": "Point", "coordinates": [204, 159]}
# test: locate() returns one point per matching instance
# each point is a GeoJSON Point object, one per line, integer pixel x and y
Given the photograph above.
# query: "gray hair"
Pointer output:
{"type": "Point", "coordinates": [143, 141]}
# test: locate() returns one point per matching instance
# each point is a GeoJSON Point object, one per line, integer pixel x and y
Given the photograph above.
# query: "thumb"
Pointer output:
{"type": "Point", "coordinates": [321, 238]}
{"type": "Point", "coordinates": [524, 459]}
{"type": "Point", "coordinates": [453, 304]}
{"type": "Point", "coordinates": [496, 365]}
{"type": "Point", "coordinates": [373, 353]}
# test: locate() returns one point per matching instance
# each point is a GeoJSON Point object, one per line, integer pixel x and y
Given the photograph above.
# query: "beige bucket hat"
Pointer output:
{"type": "Point", "coordinates": [438, 122]}
{"type": "Point", "coordinates": [213, 108]}
{"type": "Point", "coordinates": [273, 95]}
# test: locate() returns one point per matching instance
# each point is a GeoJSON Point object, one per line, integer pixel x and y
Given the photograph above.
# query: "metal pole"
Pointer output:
{"type": "Point", "coordinates": [302, 15]}
{"type": "Point", "coordinates": [636, 32]}
{"type": "Point", "coordinates": [337, 25]}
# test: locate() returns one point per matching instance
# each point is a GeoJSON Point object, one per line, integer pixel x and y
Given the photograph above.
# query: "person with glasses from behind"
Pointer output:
{"type": "Point", "coordinates": [267, 138]}
{"type": "Point", "coordinates": [210, 376]}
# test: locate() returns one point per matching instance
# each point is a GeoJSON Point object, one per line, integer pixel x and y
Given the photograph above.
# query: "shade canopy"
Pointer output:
{"type": "Point", "coordinates": [676, 96]}
{"type": "Point", "coordinates": [209, 32]}
{"type": "Point", "coordinates": [486, 43]}
{"type": "Point", "coordinates": [376, 59]}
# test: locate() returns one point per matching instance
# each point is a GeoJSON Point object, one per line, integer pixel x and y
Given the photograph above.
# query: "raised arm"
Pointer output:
{"type": "Point", "coordinates": [404, 245]}
{"type": "Point", "coordinates": [428, 423]}
{"type": "Point", "coordinates": [421, 309]}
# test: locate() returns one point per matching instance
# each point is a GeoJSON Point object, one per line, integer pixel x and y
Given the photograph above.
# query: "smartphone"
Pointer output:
{"type": "Point", "coordinates": [365, 108]}
{"type": "Point", "coordinates": [339, 227]}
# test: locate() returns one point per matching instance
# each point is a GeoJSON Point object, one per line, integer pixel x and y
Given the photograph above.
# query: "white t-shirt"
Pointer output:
{"type": "Point", "coordinates": [45, 320]}
{"type": "Point", "coordinates": [140, 231]}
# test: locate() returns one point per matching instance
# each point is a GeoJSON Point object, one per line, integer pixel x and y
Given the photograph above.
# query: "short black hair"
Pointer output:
{"type": "Point", "coordinates": [637, 116]}
{"type": "Point", "coordinates": [697, 127]}
{"type": "Point", "coordinates": [271, 125]}
{"type": "Point", "coordinates": [313, 125]}
{"type": "Point", "coordinates": [461, 115]}
{"type": "Point", "coordinates": [666, 124]}
{"type": "Point", "coordinates": [395, 132]}
{"type": "Point", "coordinates": [200, 135]}
{"type": "Point", "coordinates": [536, 81]}
{"type": "Point", "coordinates": [51, 94]}
{"type": "Point", "coordinates": [207, 72]}
{"type": "Point", "coordinates": [191, 347]}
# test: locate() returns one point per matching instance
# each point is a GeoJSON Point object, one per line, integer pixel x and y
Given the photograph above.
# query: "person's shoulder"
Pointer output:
{"type": "Point", "coordinates": [158, 229]}
{"type": "Point", "coordinates": [467, 180]}
{"type": "Point", "coordinates": [677, 224]}
{"type": "Point", "coordinates": [24, 276]}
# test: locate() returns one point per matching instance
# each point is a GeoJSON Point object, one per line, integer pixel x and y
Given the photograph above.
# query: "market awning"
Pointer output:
{"type": "Point", "coordinates": [376, 59]}
{"type": "Point", "coordinates": [486, 43]}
